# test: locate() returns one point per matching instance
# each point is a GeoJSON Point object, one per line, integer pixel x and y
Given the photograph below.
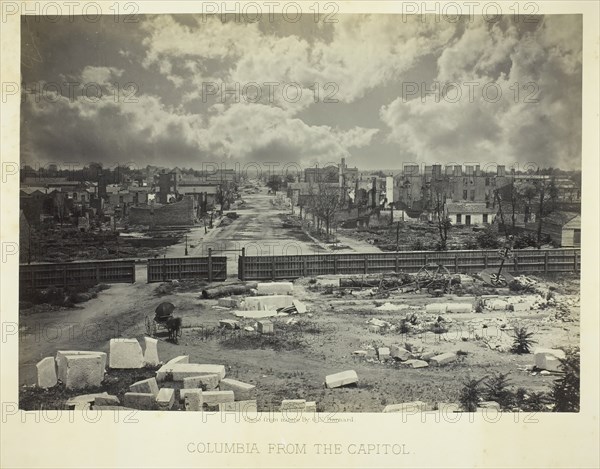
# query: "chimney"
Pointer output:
{"type": "Point", "coordinates": [457, 170]}
{"type": "Point", "coordinates": [477, 171]}
{"type": "Point", "coordinates": [501, 171]}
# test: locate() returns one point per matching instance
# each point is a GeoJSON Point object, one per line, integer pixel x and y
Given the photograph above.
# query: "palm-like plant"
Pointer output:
{"type": "Point", "coordinates": [522, 340]}
{"type": "Point", "coordinates": [470, 394]}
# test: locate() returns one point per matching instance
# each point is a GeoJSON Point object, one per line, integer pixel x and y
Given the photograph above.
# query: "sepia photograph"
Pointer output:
{"type": "Point", "coordinates": [284, 213]}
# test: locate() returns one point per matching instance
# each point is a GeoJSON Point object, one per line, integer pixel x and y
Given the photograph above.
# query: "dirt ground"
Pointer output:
{"type": "Point", "coordinates": [293, 363]}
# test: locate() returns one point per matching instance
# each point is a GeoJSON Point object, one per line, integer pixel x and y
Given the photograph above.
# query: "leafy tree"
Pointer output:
{"type": "Point", "coordinates": [565, 394]}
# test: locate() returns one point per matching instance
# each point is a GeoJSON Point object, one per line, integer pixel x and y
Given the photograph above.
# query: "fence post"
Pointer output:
{"type": "Point", "coordinates": [516, 262]}
{"type": "Point", "coordinates": [334, 265]}
{"type": "Point", "coordinates": [366, 264]}
{"type": "Point", "coordinates": [485, 261]}
{"type": "Point", "coordinates": [456, 263]}
{"type": "Point", "coordinates": [304, 269]}
{"type": "Point", "coordinates": [241, 265]}
{"type": "Point", "coordinates": [397, 269]}
{"type": "Point", "coordinates": [575, 261]}
{"type": "Point", "coordinates": [133, 276]}
{"type": "Point", "coordinates": [273, 268]}
{"type": "Point", "coordinates": [210, 264]}
{"type": "Point", "coordinates": [546, 262]}
{"type": "Point", "coordinates": [64, 275]}
{"type": "Point", "coordinates": [426, 259]}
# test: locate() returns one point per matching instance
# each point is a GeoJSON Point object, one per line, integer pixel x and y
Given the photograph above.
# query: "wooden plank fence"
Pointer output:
{"type": "Point", "coordinates": [76, 273]}
{"type": "Point", "coordinates": [290, 267]}
{"type": "Point", "coordinates": [209, 268]}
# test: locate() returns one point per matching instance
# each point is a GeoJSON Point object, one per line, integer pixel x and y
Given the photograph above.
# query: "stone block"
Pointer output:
{"type": "Point", "coordinates": [548, 359]}
{"type": "Point", "coordinates": [360, 353]}
{"type": "Point", "coordinates": [416, 363]}
{"type": "Point", "coordinates": [146, 386]}
{"type": "Point", "coordinates": [375, 329]}
{"type": "Point", "coordinates": [254, 314]}
{"type": "Point", "coordinates": [205, 382]}
{"type": "Point", "coordinates": [239, 406]}
{"type": "Point", "coordinates": [383, 353]}
{"type": "Point", "coordinates": [269, 303]}
{"type": "Point", "coordinates": [83, 371]}
{"type": "Point", "coordinates": [310, 407]}
{"type": "Point", "coordinates": [179, 371]}
{"type": "Point", "coordinates": [275, 288]}
{"type": "Point", "coordinates": [177, 360]}
{"type": "Point", "coordinates": [46, 373]}
{"type": "Point", "coordinates": [520, 307]}
{"type": "Point", "coordinates": [125, 354]}
{"type": "Point", "coordinates": [443, 359]}
{"type": "Point", "coordinates": [242, 391]}
{"type": "Point", "coordinates": [399, 352]}
{"type": "Point", "coordinates": [459, 307]}
{"type": "Point", "coordinates": [341, 379]}
{"type": "Point", "coordinates": [111, 407]}
{"type": "Point", "coordinates": [85, 398]}
{"type": "Point", "coordinates": [265, 327]}
{"type": "Point", "coordinates": [489, 405]}
{"type": "Point", "coordinates": [428, 355]}
{"type": "Point", "coordinates": [496, 305]}
{"type": "Point", "coordinates": [165, 398]}
{"type": "Point", "coordinates": [213, 398]}
{"type": "Point", "coordinates": [414, 407]}
{"type": "Point", "coordinates": [106, 400]}
{"type": "Point", "coordinates": [229, 302]}
{"type": "Point", "coordinates": [140, 400]}
{"type": "Point", "coordinates": [229, 324]}
{"type": "Point", "coordinates": [436, 308]}
{"type": "Point", "coordinates": [300, 307]}
{"type": "Point", "coordinates": [151, 351]}
{"type": "Point", "coordinates": [61, 362]}
{"type": "Point", "coordinates": [293, 404]}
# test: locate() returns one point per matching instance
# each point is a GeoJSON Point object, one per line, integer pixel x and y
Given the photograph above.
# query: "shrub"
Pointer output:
{"type": "Point", "coordinates": [488, 239]}
{"type": "Point", "coordinates": [497, 390]}
{"type": "Point", "coordinates": [470, 394]}
{"type": "Point", "coordinates": [522, 340]}
{"type": "Point", "coordinates": [565, 391]}
{"type": "Point", "coordinates": [418, 245]}
{"type": "Point", "coordinates": [525, 240]}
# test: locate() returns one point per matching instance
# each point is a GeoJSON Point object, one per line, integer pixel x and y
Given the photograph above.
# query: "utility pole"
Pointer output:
{"type": "Point", "coordinates": [186, 246]}
{"type": "Point", "coordinates": [397, 235]}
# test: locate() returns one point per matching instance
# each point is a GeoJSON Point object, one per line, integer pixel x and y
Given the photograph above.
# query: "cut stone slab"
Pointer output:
{"type": "Point", "coordinates": [188, 370]}
{"type": "Point", "coordinates": [310, 407]}
{"type": "Point", "coordinates": [268, 303]}
{"type": "Point", "coordinates": [125, 354]}
{"type": "Point", "coordinates": [212, 398]}
{"type": "Point", "coordinates": [436, 308]}
{"type": "Point", "coordinates": [165, 398]}
{"type": "Point", "coordinates": [375, 329]}
{"type": "Point", "coordinates": [428, 355]}
{"type": "Point", "coordinates": [489, 405]}
{"type": "Point", "coordinates": [204, 382]}
{"type": "Point", "coordinates": [416, 363]}
{"type": "Point", "coordinates": [140, 400]}
{"type": "Point", "coordinates": [85, 398]}
{"type": "Point", "coordinates": [459, 307]}
{"type": "Point", "coordinates": [275, 288]}
{"type": "Point", "coordinates": [151, 351]}
{"type": "Point", "coordinates": [496, 305]}
{"type": "Point", "coordinates": [443, 359]}
{"type": "Point", "coordinates": [416, 406]}
{"type": "Point", "coordinates": [239, 406]}
{"type": "Point", "coordinates": [146, 386]}
{"type": "Point", "coordinates": [300, 307]}
{"type": "Point", "coordinates": [383, 353]}
{"type": "Point", "coordinates": [106, 400]}
{"type": "Point", "coordinates": [229, 302]}
{"type": "Point", "coordinates": [293, 404]}
{"type": "Point", "coordinates": [548, 359]}
{"type": "Point", "coordinates": [341, 379]}
{"type": "Point", "coordinates": [229, 323]}
{"type": "Point", "coordinates": [256, 314]}
{"type": "Point", "coordinates": [179, 359]}
{"type": "Point", "coordinates": [265, 327]}
{"type": "Point", "coordinates": [83, 371]}
{"type": "Point", "coordinates": [61, 362]}
{"type": "Point", "coordinates": [519, 307]}
{"type": "Point", "coordinates": [46, 373]}
{"type": "Point", "coordinates": [242, 391]}
{"type": "Point", "coordinates": [399, 352]}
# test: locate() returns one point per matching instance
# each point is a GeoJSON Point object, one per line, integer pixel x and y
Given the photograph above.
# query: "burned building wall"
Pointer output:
{"type": "Point", "coordinates": [176, 214]}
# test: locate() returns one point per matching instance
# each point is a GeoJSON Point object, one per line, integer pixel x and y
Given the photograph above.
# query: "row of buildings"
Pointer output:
{"type": "Point", "coordinates": [165, 198]}
{"type": "Point", "coordinates": [466, 195]}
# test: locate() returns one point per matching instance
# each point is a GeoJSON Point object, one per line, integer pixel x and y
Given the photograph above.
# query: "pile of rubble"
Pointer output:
{"type": "Point", "coordinates": [408, 355]}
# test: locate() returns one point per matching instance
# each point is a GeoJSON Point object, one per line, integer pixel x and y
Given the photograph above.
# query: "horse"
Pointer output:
{"type": "Point", "coordinates": [174, 328]}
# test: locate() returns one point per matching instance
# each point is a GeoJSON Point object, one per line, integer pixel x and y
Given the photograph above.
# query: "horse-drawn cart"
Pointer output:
{"type": "Point", "coordinates": [164, 321]}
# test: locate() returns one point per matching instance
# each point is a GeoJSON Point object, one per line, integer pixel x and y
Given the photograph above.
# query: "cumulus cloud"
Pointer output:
{"type": "Point", "coordinates": [537, 117]}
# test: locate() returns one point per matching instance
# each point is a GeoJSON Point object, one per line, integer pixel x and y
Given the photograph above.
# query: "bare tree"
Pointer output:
{"type": "Point", "coordinates": [324, 202]}
{"type": "Point", "coordinates": [438, 201]}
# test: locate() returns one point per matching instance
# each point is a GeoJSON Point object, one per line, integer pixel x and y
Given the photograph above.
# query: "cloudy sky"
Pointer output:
{"type": "Point", "coordinates": [151, 92]}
